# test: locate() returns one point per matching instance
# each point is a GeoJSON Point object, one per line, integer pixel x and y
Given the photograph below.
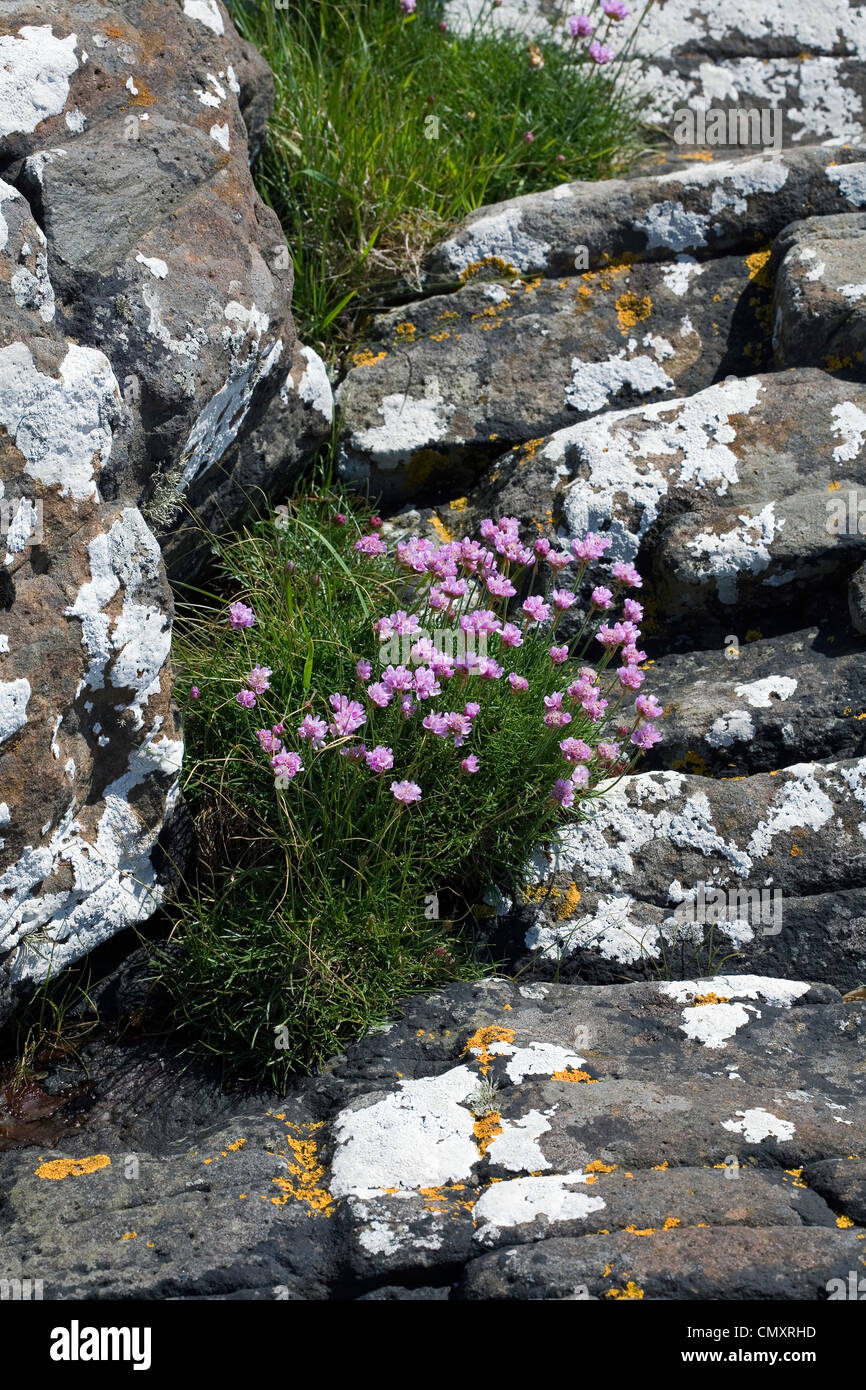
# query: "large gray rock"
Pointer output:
{"type": "Point", "coordinates": [700, 1138]}
{"type": "Point", "coordinates": [446, 381]}
{"type": "Point", "coordinates": [819, 310]}
{"type": "Point", "coordinates": [671, 873]}
{"type": "Point", "coordinates": [160, 250]}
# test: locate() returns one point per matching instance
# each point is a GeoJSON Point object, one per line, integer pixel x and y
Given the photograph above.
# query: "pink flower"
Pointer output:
{"type": "Point", "coordinates": [407, 706]}
{"type": "Point", "coordinates": [354, 752]}
{"type": "Point", "coordinates": [194, 692]}
{"type": "Point", "coordinates": [414, 554]}
{"type": "Point", "coordinates": [371, 545]}
{"type": "Point", "coordinates": [268, 741]}
{"type": "Point", "coordinates": [592, 547]}
{"type": "Point", "coordinates": [286, 766]}
{"type": "Point", "coordinates": [469, 764]}
{"type": "Point", "coordinates": [615, 636]}
{"type": "Point", "coordinates": [579, 26]}
{"type": "Point", "coordinates": [241, 616]}
{"type": "Point", "coordinates": [258, 679]}
{"type": "Point", "coordinates": [558, 655]}
{"type": "Point", "coordinates": [574, 750]}
{"type": "Point", "coordinates": [557, 718]}
{"type": "Point", "coordinates": [599, 52]}
{"type": "Point", "coordinates": [426, 684]}
{"type": "Point", "coordinates": [630, 678]}
{"type": "Point", "coordinates": [379, 694]}
{"type": "Point", "coordinates": [554, 701]}
{"type": "Point", "coordinates": [645, 736]}
{"type": "Point", "coordinates": [480, 620]}
{"type": "Point", "coordinates": [648, 706]}
{"type": "Point", "coordinates": [563, 792]}
{"type": "Point", "coordinates": [246, 698]}
{"type": "Point", "coordinates": [558, 559]}
{"type": "Point", "coordinates": [528, 137]}
{"type": "Point", "coordinates": [542, 547]}
{"type": "Point", "coordinates": [376, 523]}
{"type": "Point", "coordinates": [436, 600]}
{"type": "Point", "coordinates": [313, 729]}
{"type": "Point", "coordinates": [608, 752]}
{"type": "Point", "coordinates": [407, 792]}
{"type": "Point", "coordinates": [580, 776]}
{"type": "Point", "coordinates": [339, 518]}
{"type": "Point", "coordinates": [455, 588]}
{"type": "Point", "coordinates": [500, 587]}
{"type": "Point", "coordinates": [422, 651]}
{"type": "Point", "coordinates": [488, 669]}
{"type": "Point", "coordinates": [602, 598]}
{"type": "Point", "coordinates": [435, 724]}
{"type": "Point", "coordinates": [380, 759]}
{"type": "Point", "coordinates": [458, 725]}
{"type": "Point", "coordinates": [442, 666]}
{"type": "Point", "coordinates": [615, 9]}
{"type": "Point", "coordinates": [397, 678]}
{"type": "Point", "coordinates": [518, 684]}
{"type": "Point", "coordinates": [363, 669]}
{"type": "Point", "coordinates": [408, 6]}
{"type": "Point", "coordinates": [625, 573]}
{"type": "Point", "coordinates": [511, 635]}
{"type": "Point", "coordinates": [562, 599]}
{"type": "Point", "coordinates": [348, 715]}
{"type": "Point", "coordinates": [536, 608]}
{"type": "Point", "coordinates": [632, 655]}
{"type": "Point", "coordinates": [633, 610]}
{"type": "Point", "coordinates": [471, 709]}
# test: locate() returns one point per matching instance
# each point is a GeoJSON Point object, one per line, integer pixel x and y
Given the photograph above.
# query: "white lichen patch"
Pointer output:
{"type": "Point", "coordinates": [609, 930]}
{"type": "Point", "coordinates": [742, 550]}
{"type": "Point", "coordinates": [734, 727]}
{"type": "Point", "coordinates": [851, 182]}
{"type": "Point", "coordinates": [668, 224]}
{"type": "Point", "coordinates": [677, 276]}
{"type": "Point", "coordinates": [35, 67]}
{"type": "Point", "coordinates": [713, 1024]}
{"type": "Point", "coordinates": [314, 387]}
{"type": "Point", "coordinates": [516, 1147]}
{"type": "Point", "coordinates": [62, 427]}
{"type": "Point", "coordinates": [779, 994]}
{"type": "Point", "coordinates": [762, 694]}
{"type": "Point", "coordinates": [409, 424]}
{"type": "Point", "coordinates": [500, 235]}
{"type": "Point", "coordinates": [220, 134]}
{"type": "Point", "coordinates": [594, 383]}
{"type": "Point", "coordinates": [157, 267]}
{"type": "Point", "coordinates": [849, 424]}
{"type": "Point", "coordinates": [521, 1201]}
{"type": "Point", "coordinates": [538, 1059]}
{"type": "Point", "coordinates": [218, 425]}
{"type": "Point", "coordinates": [419, 1136]}
{"type": "Point", "coordinates": [800, 803]}
{"type": "Point", "coordinates": [758, 1124]}
{"type": "Point", "coordinates": [206, 12]}
{"type": "Point", "coordinates": [14, 696]}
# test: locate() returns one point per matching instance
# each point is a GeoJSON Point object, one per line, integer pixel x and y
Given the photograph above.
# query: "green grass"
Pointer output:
{"type": "Point", "coordinates": [349, 164]}
{"type": "Point", "coordinates": [311, 914]}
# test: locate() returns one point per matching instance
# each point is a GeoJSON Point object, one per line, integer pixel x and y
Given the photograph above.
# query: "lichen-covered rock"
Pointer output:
{"type": "Point", "coordinates": [857, 599]}
{"type": "Point", "coordinates": [700, 209]}
{"type": "Point", "coordinates": [695, 1139]}
{"type": "Point", "coordinates": [132, 150]}
{"type": "Point", "coordinates": [819, 308]}
{"type": "Point", "coordinates": [670, 872]}
{"type": "Point", "coordinates": [89, 748]}
{"type": "Point", "coordinates": [437, 387]}
{"type": "Point", "coordinates": [753, 703]}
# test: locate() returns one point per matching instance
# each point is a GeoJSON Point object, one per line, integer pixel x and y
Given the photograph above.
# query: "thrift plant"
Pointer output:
{"type": "Point", "coordinates": [381, 731]}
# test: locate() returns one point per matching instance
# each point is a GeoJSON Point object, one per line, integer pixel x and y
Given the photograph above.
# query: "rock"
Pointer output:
{"type": "Point", "coordinates": [89, 745]}
{"type": "Point", "coordinates": [160, 251]}
{"type": "Point", "coordinates": [753, 704]}
{"type": "Point", "coordinates": [702, 209]}
{"type": "Point", "coordinates": [453, 378]}
{"type": "Point", "coordinates": [857, 599]}
{"type": "Point", "coordinates": [675, 873]}
{"type": "Point", "coordinates": [654, 1142]}
{"type": "Point", "coordinates": [819, 309]}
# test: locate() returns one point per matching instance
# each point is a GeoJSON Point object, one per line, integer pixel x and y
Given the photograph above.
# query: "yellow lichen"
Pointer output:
{"type": "Point", "coordinates": [710, 998]}
{"type": "Point", "coordinates": [631, 1290]}
{"type": "Point", "coordinates": [632, 309]}
{"type": "Point", "coordinates": [307, 1173]}
{"type": "Point", "coordinates": [129, 1235]}
{"type": "Point", "coordinates": [569, 902]}
{"type": "Point", "coordinates": [598, 1167]}
{"type": "Point", "coordinates": [458, 504]}
{"type": "Point", "coordinates": [442, 531]}
{"type": "Point", "coordinates": [756, 264]}
{"type": "Point", "coordinates": [670, 1223]}
{"type": "Point", "coordinates": [572, 1074]}
{"type": "Point", "coordinates": [488, 262]}
{"type": "Point", "coordinates": [485, 1131]}
{"type": "Point", "coordinates": [405, 332]}
{"type": "Point", "coordinates": [366, 358]}
{"type": "Point", "coordinates": [60, 1168]}
{"type": "Point", "coordinates": [844, 1222]}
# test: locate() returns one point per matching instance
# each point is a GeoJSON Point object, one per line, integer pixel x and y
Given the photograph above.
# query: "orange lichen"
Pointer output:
{"type": "Point", "coordinates": [572, 1074]}
{"type": "Point", "coordinates": [844, 1222]}
{"type": "Point", "coordinates": [481, 1040]}
{"type": "Point", "coordinates": [406, 331]}
{"type": "Point", "coordinates": [648, 1231]}
{"type": "Point", "coordinates": [598, 1167]}
{"type": "Point", "coordinates": [458, 504]}
{"type": "Point", "coordinates": [366, 358]}
{"type": "Point", "coordinates": [307, 1173]}
{"type": "Point", "coordinates": [632, 309]}
{"type": "Point", "coordinates": [485, 1131]}
{"type": "Point", "coordinates": [711, 998]}
{"type": "Point", "coordinates": [488, 262]}
{"type": "Point", "coordinates": [660, 1167]}
{"type": "Point", "coordinates": [670, 1223]}
{"type": "Point", "coordinates": [569, 902]}
{"type": "Point", "coordinates": [129, 1235]}
{"type": "Point", "coordinates": [444, 533]}
{"type": "Point", "coordinates": [631, 1290]}
{"type": "Point", "coordinates": [756, 264]}
{"type": "Point", "coordinates": [60, 1168]}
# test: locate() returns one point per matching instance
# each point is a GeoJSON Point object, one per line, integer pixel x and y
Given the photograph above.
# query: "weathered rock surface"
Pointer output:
{"type": "Point", "coordinates": [144, 330]}
{"type": "Point", "coordinates": [696, 1149]}
{"type": "Point", "coordinates": [133, 155]}
{"type": "Point", "coordinates": [467, 374]}
{"type": "Point", "coordinates": [670, 872]}
{"type": "Point", "coordinates": [819, 311]}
